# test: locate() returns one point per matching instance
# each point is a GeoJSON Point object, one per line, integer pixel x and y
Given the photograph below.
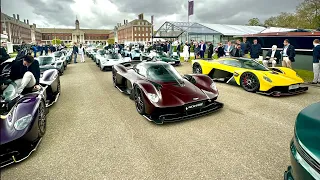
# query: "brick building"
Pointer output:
{"type": "Point", "coordinates": [138, 30]}
{"type": "Point", "coordinates": [18, 31]}
{"type": "Point", "coordinates": [75, 35]}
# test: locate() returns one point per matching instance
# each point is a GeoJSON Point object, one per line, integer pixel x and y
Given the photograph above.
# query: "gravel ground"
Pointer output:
{"type": "Point", "coordinates": [94, 132]}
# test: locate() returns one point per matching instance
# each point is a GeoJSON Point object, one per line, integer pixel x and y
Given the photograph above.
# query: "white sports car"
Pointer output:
{"type": "Point", "coordinates": [135, 54]}
{"type": "Point", "coordinates": [60, 56]}
{"type": "Point", "coordinates": [111, 59]}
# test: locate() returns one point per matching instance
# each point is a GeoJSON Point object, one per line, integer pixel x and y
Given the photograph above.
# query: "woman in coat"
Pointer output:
{"type": "Point", "coordinates": [186, 52]}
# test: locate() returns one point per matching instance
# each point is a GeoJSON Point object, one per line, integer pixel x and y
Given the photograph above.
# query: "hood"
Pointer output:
{"type": "Point", "coordinates": [174, 94]}
{"type": "Point", "coordinates": [46, 67]}
{"type": "Point", "coordinates": [307, 129]}
{"type": "Point", "coordinates": [280, 79]}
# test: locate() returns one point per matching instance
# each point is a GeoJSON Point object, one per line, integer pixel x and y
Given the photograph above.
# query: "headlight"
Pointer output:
{"type": "Point", "coordinates": [23, 122]}
{"type": "Point", "coordinates": [213, 86]}
{"type": "Point", "coordinates": [153, 97]}
{"type": "Point", "coordinates": [267, 79]}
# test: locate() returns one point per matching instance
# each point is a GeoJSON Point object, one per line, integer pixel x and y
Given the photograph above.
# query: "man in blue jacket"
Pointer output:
{"type": "Point", "coordinates": [255, 50]}
{"type": "Point", "coordinates": [202, 49]}
{"type": "Point", "coordinates": [316, 64]}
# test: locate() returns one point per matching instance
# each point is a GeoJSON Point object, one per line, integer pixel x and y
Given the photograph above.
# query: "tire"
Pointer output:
{"type": "Point", "coordinates": [249, 82]}
{"type": "Point", "coordinates": [114, 78]}
{"type": "Point", "coordinates": [42, 119]}
{"type": "Point", "coordinates": [139, 101]}
{"type": "Point", "coordinates": [59, 86]}
{"type": "Point", "coordinates": [61, 71]}
{"type": "Point", "coordinates": [196, 69]}
{"type": "Point", "coordinates": [101, 68]}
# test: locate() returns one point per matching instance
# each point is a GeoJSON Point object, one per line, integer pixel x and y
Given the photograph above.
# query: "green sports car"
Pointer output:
{"type": "Point", "coordinates": [305, 146]}
{"type": "Point", "coordinates": [161, 56]}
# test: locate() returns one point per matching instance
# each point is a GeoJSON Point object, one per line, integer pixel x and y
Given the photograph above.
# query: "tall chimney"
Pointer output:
{"type": "Point", "coordinates": [28, 21]}
{"type": "Point", "coordinates": [24, 21]}
{"type": "Point", "coordinates": [124, 21]}
{"type": "Point", "coordinates": [18, 17]}
{"type": "Point", "coordinates": [14, 16]}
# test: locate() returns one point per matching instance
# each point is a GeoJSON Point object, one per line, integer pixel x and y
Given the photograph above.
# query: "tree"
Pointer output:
{"type": "Point", "coordinates": [307, 16]}
{"type": "Point", "coordinates": [254, 22]}
{"type": "Point", "coordinates": [110, 41]}
{"type": "Point", "coordinates": [283, 20]}
{"type": "Point", "coordinates": [56, 41]}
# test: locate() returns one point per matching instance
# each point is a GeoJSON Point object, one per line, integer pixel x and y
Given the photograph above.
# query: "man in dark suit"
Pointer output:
{"type": "Point", "coordinates": [202, 49]}
{"type": "Point", "coordinates": [288, 54]}
{"type": "Point", "coordinates": [210, 50]}
{"type": "Point", "coordinates": [316, 59]}
{"type": "Point", "coordinates": [237, 51]}
{"type": "Point", "coordinates": [75, 51]}
{"type": "Point", "coordinates": [273, 56]}
{"type": "Point", "coordinates": [255, 50]}
{"type": "Point", "coordinates": [25, 73]}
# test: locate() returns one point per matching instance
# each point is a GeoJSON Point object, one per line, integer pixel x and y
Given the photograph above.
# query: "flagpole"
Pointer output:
{"type": "Point", "coordinates": [188, 23]}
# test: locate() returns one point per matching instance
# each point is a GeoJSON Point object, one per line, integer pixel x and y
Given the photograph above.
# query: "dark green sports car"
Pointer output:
{"type": "Point", "coordinates": [161, 56]}
{"type": "Point", "coordinates": [305, 146]}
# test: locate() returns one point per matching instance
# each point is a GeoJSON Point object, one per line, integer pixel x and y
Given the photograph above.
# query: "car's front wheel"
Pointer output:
{"type": "Point", "coordinates": [139, 101]}
{"type": "Point", "coordinates": [249, 82]}
{"type": "Point", "coordinates": [42, 119]}
{"type": "Point", "coordinates": [196, 69]}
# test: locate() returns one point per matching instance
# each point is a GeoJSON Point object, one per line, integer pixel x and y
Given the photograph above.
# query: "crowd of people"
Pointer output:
{"type": "Point", "coordinates": [231, 49]}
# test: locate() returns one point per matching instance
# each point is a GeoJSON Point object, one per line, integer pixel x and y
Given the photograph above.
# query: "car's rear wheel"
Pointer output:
{"type": "Point", "coordinates": [197, 69]}
{"type": "Point", "coordinates": [249, 82]}
{"type": "Point", "coordinates": [139, 101]}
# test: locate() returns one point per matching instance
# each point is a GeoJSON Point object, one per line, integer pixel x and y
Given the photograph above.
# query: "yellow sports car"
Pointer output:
{"type": "Point", "coordinates": [252, 76]}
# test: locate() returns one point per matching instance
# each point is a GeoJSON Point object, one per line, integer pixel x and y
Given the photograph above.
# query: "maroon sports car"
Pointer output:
{"type": "Point", "coordinates": [161, 94]}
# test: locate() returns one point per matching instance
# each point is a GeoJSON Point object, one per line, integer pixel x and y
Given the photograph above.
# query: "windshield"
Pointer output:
{"type": "Point", "coordinates": [250, 64]}
{"type": "Point", "coordinates": [137, 51]}
{"type": "Point", "coordinates": [101, 52]}
{"type": "Point", "coordinates": [114, 56]}
{"type": "Point", "coordinates": [163, 73]}
{"type": "Point", "coordinates": [45, 60]}
{"type": "Point", "coordinates": [57, 54]}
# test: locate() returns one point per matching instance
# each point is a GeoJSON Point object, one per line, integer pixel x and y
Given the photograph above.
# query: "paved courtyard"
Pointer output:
{"type": "Point", "coordinates": [94, 132]}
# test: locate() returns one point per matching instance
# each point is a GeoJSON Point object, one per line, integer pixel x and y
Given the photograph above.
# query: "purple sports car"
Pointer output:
{"type": "Point", "coordinates": [23, 117]}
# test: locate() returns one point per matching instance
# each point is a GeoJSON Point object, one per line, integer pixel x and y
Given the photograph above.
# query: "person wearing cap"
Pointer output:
{"type": "Point", "coordinates": [25, 73]}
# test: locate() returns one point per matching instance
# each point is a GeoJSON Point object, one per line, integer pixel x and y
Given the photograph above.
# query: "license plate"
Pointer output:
{"type": "Point", "coordinates": [194, 106]}
{"type": "Point", "coordinates": [296, 86]}
{"type": "Point", "coordinates": [172, 62]}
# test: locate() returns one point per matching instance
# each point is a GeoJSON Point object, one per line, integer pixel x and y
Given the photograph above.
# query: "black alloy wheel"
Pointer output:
{"type": "Point", "coordinates": [249, 82]}
{"type": "Point", "coordinates": [197, 69]}
{"type": "Point", "coordinates": [139, 101]}
{"type": "Point", "coordinates": [42, 119]}
{"type": "Point", "coordinates": [114, 78]}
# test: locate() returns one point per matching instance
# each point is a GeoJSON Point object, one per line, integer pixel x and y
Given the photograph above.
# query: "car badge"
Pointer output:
{"type": "Point", "coordinates": [195, 99]}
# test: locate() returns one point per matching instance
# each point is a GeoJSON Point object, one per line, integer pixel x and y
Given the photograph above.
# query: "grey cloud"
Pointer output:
{"type": "Point", "coordinates": [239, 12]}
{"type": "Point", "coordinates": [57, 12]}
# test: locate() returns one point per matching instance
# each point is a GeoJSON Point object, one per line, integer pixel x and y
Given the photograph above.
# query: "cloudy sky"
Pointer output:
{"type": "Point", "coordinates": [107, 13]}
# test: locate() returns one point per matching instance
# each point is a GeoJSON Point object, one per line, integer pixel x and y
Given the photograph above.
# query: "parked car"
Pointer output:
{"type": "Point", "coordinates": [161, 94]}
{"type": "Point", "coordinates": [68, 55]}
{"type": "Point", "coordinates": [49, 62]}
{"type": "Point", "coordinates": [305, 146]}
{"type": "Point", "coordinates": [23, 117]}
{"type": "Point", "coordinates": [111, 59]}
{"type": "Point", "coordinates": [60, 56]}
{"type": "Point", "coordinates": [252, 76]}
{"type": "Point", "coordinates": [161, 56]}
{"type": "Point", "coordinates": [99, 56]}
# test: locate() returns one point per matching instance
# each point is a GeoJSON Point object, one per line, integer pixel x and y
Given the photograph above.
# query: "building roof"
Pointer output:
{"type": "Point", "coordinates": [5, 17]}
{"type": "Point", "coordinates": [235, 30]}
{"type": "Point", "coordinates": [65, 30]}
